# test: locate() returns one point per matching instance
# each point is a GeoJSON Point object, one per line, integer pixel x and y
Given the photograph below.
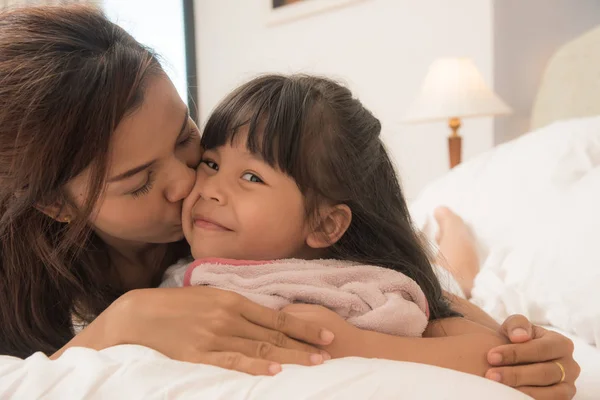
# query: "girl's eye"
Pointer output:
{"type": "Point", "coordinates": [145, 189]}
{"type": "Point", "coordinates": [211, 164]}
{"type": "Point", "coordinates": [250, 177]}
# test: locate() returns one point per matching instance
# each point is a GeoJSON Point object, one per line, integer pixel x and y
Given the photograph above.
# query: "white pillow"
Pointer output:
{"type": "Point", "coordinates": [135, 372]}
{"type": "Point", "coordinates": [533, 205]}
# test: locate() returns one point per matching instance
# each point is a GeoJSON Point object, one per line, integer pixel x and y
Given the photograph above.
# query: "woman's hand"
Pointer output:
{"type": "Point", "coordinates": [530, 363]}
{"type": "Point", "coordinates": [347, 336]}
{"type": "Point", "coordinates": [209, 326]}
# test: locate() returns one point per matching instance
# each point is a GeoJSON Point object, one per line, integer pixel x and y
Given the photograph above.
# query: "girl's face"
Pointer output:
{"type": "Point", "coordinates": [242, 208]}
{"type": "Point", "coordinates": [152, 160]}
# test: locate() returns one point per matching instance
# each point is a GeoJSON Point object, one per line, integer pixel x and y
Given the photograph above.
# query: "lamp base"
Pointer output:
{"type": "Point", "coordinates": [455, 150]}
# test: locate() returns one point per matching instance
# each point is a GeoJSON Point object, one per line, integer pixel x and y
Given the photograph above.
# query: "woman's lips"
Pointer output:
{"type": "Point", "coordinates": [209, 225]}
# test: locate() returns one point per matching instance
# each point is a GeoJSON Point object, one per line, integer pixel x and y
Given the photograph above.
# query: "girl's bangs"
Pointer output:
{"type": "Point", "coordinates": [273, 114]}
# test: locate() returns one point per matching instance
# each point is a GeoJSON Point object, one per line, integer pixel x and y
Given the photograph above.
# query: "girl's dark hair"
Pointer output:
{"type": "Point", "coordinates": [313, 130]}
{"type": "Point", "coordinates": [68, 76]}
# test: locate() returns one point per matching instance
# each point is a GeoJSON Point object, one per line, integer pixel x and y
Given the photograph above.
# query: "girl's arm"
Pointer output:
{"type": "Point", "coordinates": [454, 343]}
{"type": "Point", "coordinates": [471, 312]}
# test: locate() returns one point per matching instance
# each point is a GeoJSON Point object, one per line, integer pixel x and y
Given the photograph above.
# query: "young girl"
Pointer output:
{"type": "Point", "coordinates": [294, 167]}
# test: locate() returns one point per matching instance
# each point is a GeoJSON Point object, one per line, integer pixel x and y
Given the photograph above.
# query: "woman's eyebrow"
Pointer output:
{"type": "Point", "coordinates": [131, 172]}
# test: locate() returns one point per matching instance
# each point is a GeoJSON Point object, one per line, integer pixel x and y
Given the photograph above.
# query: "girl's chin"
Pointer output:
{"type": "Point", "coordinates": [199, 252]}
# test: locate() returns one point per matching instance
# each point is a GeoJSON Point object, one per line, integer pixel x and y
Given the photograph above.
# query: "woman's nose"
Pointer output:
{"type": "Point", "coordinates": [181, 182]}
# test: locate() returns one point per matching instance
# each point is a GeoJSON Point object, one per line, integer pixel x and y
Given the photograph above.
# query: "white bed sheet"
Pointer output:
{"type": "Point", "coordinates": [135, 372]}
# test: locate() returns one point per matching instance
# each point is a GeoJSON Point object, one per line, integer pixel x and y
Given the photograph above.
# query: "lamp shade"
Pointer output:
{"type": "Point", "coordinates": [454, 88]}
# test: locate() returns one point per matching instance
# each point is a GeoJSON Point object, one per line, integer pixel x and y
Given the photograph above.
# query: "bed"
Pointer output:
{"type": "Point", "coordinates": [506, 195]}
{"type": "Point", "coordinates": [532, 204]}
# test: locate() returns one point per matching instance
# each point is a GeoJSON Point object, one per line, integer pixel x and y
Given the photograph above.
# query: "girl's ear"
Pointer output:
{"type": "Point", "coordinates": [333, 223]}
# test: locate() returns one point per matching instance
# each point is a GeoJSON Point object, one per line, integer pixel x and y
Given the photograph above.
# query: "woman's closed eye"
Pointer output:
{"type": "Point", "coordinates": [185, 141]}
{"type": "Point", "coordinates": [145, 188]}
{"type": "Point", "coordinates": [250, 177]}
{"type": "Point", "coordinates": [191, 135]}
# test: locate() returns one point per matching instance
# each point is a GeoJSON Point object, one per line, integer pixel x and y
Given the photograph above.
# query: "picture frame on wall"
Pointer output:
{"type": "Point", "coordinates": [282, 11]}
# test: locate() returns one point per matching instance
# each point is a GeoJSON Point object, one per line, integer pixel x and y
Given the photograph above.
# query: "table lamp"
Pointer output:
{"type": "Point", "coordinates": [454, 89]}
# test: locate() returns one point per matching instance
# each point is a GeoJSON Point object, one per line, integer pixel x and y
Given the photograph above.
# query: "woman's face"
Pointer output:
{"type": "Point", "coordinates": [152, 159]}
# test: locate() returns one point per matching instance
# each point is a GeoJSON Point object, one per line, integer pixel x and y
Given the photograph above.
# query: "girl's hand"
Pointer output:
{"type": "Point", "coordinates": [530, 363]}
{"type": "Point", "coordinates": [208, 326]}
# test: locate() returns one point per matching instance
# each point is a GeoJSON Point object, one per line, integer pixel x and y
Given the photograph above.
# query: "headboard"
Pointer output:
{"type": "Point", "coordinates": [570, 86]}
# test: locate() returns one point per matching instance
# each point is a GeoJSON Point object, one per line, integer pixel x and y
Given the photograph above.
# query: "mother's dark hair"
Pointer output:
{"type": "Point", "coordinates": [68, 76]}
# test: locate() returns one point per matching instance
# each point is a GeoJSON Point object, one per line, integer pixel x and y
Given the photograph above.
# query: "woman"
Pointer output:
{"type": "Point", "coordinates": [97, 154]}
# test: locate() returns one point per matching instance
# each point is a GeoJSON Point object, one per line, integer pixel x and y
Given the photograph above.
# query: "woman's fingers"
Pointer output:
{"type": "Point", "coordinates": [238, 362]}
{"type": "Point", "coordinates": [540, 377]}
{"type": "Point", "coordinates": [518, 328]}
{"type": "Point", "coordinates": [563, 391]}
{"type": "Point", "coordinates": [291, 326]}
{"type": "Point", "coordinates": [270, 352]}
{"type": "Point", "coordinates": [544, 346]}
{"type": "Point", "coordinates": [525, 353]}
{"type": "Point", "coordinates": [279, 339]}
{"type": "Point", "coordinates": [215, 327]}
{"type": "Point", "coordinates": [541, 348]}
{"type": "Point", "coordinates": [542, 374]}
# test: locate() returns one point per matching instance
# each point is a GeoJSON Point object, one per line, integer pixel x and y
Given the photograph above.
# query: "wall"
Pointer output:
{"type": "Point", "coordinates": [526, 34]}
{"type": "Point", "coordinates": [141, 18]}
{"type": "Point", "coordinates": [380, 48]}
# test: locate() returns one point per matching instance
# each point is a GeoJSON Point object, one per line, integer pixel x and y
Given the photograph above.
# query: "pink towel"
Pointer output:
{"type": "Point", "coordinates": [372, 298]}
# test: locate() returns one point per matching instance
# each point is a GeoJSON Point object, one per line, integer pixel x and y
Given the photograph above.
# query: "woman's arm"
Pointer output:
{"type": "Point", "coordinates": [454, 343]}
{"type": "Point", "coordinates": [95, 336]}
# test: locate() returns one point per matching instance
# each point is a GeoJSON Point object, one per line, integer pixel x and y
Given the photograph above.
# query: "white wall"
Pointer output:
{"type": "Point", "coordinates": [380, 48]}
{"type": "Point", "coordinates": [158, 25]}
{"type": "Point", "coordinates": [526, 35]}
